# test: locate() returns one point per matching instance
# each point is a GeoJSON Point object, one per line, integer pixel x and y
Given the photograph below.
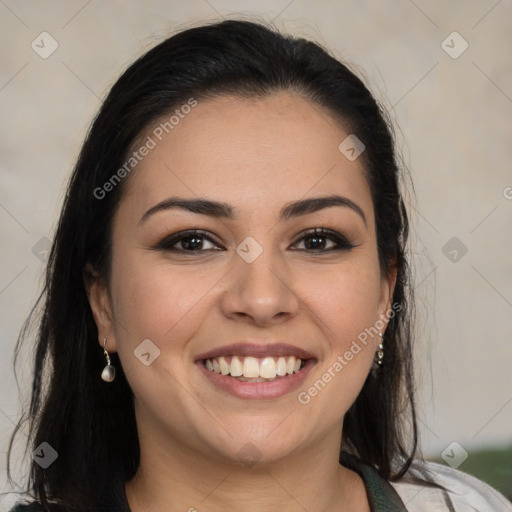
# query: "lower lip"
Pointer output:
{"type": "Point", "coordinates": [258, 390]}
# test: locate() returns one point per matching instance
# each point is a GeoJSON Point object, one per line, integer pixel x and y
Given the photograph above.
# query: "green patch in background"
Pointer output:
{"type": "Point", "coordinates": [491, 466]}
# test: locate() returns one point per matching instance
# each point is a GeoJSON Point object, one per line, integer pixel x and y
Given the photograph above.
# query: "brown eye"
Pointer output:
{"type": "Point", "coordinates": [317, 240]}
{"type": "Point", "coordinates": [191, 241]}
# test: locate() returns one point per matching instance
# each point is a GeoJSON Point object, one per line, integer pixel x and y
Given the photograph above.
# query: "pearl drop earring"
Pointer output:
{"type": "Point", "coordinates": [109, 372]}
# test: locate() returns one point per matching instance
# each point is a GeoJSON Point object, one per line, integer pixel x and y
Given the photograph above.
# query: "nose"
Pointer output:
{"type": "Point", "coordinates": [260, 292]}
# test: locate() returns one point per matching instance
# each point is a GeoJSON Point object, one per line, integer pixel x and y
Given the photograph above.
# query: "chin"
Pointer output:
{"type": "Point", "coordinates": [260, 447]}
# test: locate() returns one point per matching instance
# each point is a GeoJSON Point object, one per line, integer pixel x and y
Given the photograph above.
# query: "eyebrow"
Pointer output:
{"type": "Point", "coordinates": [216, 209]}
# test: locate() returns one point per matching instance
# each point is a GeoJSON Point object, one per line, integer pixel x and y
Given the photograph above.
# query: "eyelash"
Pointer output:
{"type": "Point", "coordinates": [168, 242]}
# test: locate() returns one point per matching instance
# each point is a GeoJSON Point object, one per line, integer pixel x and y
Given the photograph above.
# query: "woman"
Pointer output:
{"type": "Point", "coordinates": [227, 314]}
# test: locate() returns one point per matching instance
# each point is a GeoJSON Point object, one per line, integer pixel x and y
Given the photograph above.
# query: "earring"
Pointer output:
{"type": "Point", "coordinates": [109, 372]}
{"type": "Point", "coordinates": [380, 352]}
{"type": "Point", "coordinates": [377, 360]}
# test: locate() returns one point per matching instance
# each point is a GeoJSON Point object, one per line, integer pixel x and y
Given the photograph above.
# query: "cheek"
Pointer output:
{"type": "Point", "coordinates": [153, 302]}
{"type": "Point", "coordinates": [345, 298]}
{"type": "Point", "coordinates": [346, 305]}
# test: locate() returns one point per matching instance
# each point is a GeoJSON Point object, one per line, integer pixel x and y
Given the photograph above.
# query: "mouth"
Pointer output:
{"type": "Point", "coordinates": [256, 371]}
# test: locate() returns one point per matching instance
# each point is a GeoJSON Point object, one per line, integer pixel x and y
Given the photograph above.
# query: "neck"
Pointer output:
{"type": "Point", "coordinates": [173, 477]}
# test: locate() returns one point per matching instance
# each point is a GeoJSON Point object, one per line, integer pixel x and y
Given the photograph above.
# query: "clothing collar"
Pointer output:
{"type": "Point", "coordinates": [381, 495]}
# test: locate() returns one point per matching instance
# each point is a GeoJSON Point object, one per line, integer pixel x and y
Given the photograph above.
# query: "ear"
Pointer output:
{"type": "Point", "coordinates": [101, 307]}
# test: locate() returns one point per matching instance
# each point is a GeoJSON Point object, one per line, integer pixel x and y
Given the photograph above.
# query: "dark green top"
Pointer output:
{"type": "Point", "coordinates": [381, 495]}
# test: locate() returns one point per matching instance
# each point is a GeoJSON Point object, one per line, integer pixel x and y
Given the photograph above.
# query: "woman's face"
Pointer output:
{"type": "Point", "coordinates": [254, 278]}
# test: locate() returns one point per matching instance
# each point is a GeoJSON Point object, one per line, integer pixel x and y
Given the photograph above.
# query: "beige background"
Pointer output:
{"type": "Point", "coordinates": [454, 114]}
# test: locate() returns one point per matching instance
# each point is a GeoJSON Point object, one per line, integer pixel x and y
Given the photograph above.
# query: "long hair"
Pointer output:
{"type": "Point", "coordinates": [92, 425]}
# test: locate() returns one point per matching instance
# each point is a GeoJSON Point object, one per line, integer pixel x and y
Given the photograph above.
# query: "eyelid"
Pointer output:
{"type": "Point", "coordinates": [321, 231]}
{"type": "Point", "coordinates": [342, 243]}
{"type": "Point", "coordinates": [168, 241]}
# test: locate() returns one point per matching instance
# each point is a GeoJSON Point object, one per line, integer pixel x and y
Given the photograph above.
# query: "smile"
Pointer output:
{"type": "Point", "coordinates": [252, 370]}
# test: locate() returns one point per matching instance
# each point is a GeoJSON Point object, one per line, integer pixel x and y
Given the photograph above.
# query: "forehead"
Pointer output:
{"type": "Point", "coordinates": [248, 152]}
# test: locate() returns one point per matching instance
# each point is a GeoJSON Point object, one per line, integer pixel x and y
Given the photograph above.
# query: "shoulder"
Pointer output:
{"type": "Point", "coordinates": [111, 499]}
{"type": "Point", "coordinates": [34, 506]}
{"type": "Point", "coordinates": [463, 492]}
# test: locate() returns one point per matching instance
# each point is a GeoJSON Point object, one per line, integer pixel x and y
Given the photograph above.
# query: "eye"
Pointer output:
{"type": "Point", "coordinates": [316, 241]}
{"type": "Point", "coordinates": [192, 241]}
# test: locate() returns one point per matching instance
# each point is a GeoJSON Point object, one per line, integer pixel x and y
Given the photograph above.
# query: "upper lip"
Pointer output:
{"type": "Point", "coordinates": [256, 350]}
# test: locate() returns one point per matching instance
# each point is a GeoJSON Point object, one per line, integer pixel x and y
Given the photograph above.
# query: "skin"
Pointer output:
{"type": "Point", "coordinates": [256, 155]}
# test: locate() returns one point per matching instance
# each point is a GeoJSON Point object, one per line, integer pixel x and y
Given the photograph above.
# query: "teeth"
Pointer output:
{"type": "Point", "coordinates": [235, 368]}
{"type": "Point", "coordinates": [254, 370]}
{"type": "Point", "coordinates": [251, 367]}
{"type": "Point", "coordinates": [281, 366]}
{"type": "Point", "coordinates": [268, 368]}
{"type": "Point", "coordinates": [224, 367]}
